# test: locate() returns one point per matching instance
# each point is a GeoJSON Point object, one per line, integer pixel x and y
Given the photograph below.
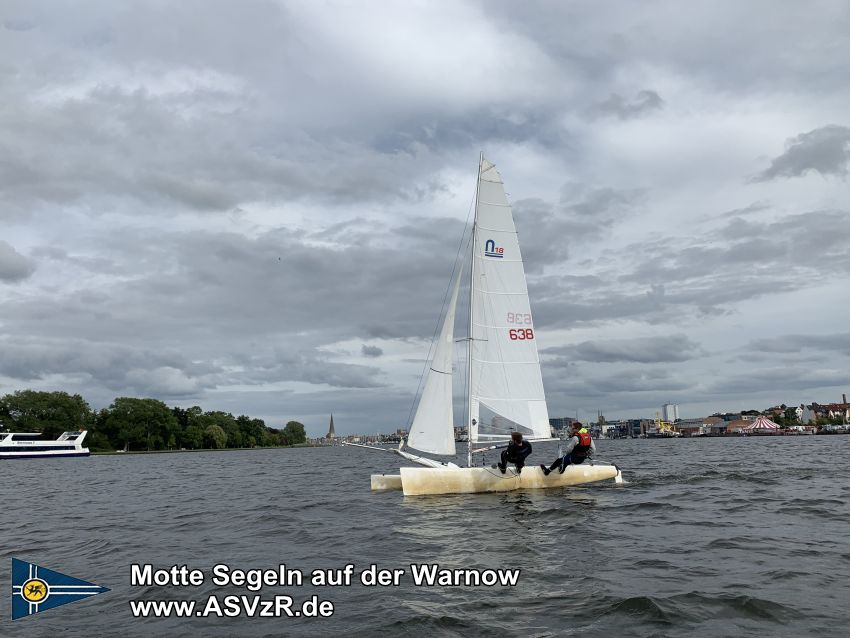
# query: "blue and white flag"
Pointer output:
{"type": "Point", "coordinates": [36, 589]}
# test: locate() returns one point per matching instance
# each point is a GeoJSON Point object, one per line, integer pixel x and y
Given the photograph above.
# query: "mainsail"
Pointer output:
{"type": "Point", "coordinates": [433, 426]}
{"type": "Point", "coordinates": [505, 384]}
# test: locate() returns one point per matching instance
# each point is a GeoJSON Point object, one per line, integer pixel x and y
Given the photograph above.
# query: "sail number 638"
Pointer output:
{"type": "Point", "coordinates": [520, 334]}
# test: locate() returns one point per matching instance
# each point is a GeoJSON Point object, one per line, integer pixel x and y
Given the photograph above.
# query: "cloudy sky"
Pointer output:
{"type": "Point", "coordinates": [254, 206]}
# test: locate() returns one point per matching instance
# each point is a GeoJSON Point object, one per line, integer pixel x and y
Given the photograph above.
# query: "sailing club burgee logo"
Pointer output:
{"type": "Point", "coordinates": [35, 589]}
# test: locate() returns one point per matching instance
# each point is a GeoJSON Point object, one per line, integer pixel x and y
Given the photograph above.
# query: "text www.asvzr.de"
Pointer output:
{"type": "Point", "coordinates": [232, 607]}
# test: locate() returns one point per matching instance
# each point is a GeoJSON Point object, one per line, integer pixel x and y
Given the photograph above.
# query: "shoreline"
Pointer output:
{"type": "Point", "coordinates": [226, 449]}
{"type": "Point", "coordinates": [314, 445]}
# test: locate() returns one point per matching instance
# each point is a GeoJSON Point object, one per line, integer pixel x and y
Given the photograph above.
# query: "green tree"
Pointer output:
{"type": "Point", "coordinates": [254, 431]}
{"type": "Point", "coordinates": [50, 413]}
{"type": "Point", "coordinates": [275, 437]}
{"type": "Point", "coordinates": [182, 417]}
{"type": "Point", "coordinates": [294, 433]}
{"type": "Point", "coordinates": [142, 424]}
{"type": "Point", "coordinates": [98, 442]}
{"type": "Point", "coordinates": [192, 437]}
{"type": "Point", "coordinates": [215, 437]}
{"type": "Point", "coordinates": [225, 421]}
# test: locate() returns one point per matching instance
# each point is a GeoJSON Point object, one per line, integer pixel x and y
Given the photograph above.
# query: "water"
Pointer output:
{"type": "Point", "coordinates": [711, 537]}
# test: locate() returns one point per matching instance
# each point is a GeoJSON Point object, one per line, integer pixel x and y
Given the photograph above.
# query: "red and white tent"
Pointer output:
{"type": "Point", "coordinates": [762, 425]}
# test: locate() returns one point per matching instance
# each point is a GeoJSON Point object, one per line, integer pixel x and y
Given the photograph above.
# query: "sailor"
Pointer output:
{"type": "Point", "coordinates": [516, 453]}
{"type": "Point", "coordinates": [579, 447]}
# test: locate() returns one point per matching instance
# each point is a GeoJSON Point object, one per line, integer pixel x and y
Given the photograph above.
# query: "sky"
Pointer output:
{"type": "Point", "coordinates": [255, 206]}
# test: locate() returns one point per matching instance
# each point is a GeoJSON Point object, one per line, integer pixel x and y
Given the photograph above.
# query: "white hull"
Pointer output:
{"type": "Point", "coordinates": [381, 482]}
{"type": "Point", "coordinates": [26, 454]}
{"type": "Point", "coordinates": [417, 481]}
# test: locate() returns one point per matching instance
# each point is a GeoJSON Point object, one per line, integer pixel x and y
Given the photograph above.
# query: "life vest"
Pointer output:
{"type": "Point", "coordinates": [584, 442]}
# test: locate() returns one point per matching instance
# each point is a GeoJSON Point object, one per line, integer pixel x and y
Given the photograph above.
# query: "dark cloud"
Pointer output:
{"type": "Point", "coordinates": [319, 369]}
{"type": "Point", "coordinates": [117, 366]}
{"type": "Point", "coordinates": [728, 50]}
{"type": "Point", "coordinates": [205, 161]}
{"type": "Point", "coordinates": [825, 150]}
{"type": "Point", "coordinates": [640, 350]}
{"type": "Point", "coordinates": [703, 275]}
{"type": "Point", "coordinates": [371, 351]}
{"type": "Point", "coordinates": [549, 232]}
{"type": "Point", "coordinates": [744, 379]}
{"type": "Point", "coordinates": [13, 265]}
{"type": "Point", "coordinates": [755, 207]}
{"type": "Point", "coordinates": [494, 124]}
{"type": "Point", "coordinates": [744, 258]}
{"type": "Point", "coordinates": [623, 381]}
{"type": "Point", "coordinates": [837, 343]}
{"type": "Point", "coordinates": [644, 102]}
{"type": "Point", "coordinates": [19, 25]}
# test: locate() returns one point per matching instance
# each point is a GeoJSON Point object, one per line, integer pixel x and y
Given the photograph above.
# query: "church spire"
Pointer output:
{"type": "Point", "coordinates": [331, 434]}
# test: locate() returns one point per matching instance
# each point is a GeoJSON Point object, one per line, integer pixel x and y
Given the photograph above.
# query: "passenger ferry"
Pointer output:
{"type": "Point", "coordinates": [26, 445]}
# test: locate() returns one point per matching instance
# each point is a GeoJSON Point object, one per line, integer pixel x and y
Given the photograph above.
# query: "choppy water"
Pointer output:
{"type": "Point", "coordinates": [712, 537]}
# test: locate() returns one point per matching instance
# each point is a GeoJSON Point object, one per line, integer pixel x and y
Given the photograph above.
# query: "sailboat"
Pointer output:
{"type": "Point", "coordinates": [504, 382]}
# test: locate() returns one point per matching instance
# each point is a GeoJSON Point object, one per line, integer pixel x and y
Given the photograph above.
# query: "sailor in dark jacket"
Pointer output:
{"type": "Point", "coordinates": [579, 447]}
{"type": "Point", "coordinates": [516, 453]}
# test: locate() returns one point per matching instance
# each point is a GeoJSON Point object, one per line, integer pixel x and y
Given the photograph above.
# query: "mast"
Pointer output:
{"type": "Point", "coordinates": [469, 326]}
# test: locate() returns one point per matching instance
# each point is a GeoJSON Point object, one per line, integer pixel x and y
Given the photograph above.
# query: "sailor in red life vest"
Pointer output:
{"type": "Point", "coordinates": [579, 447]}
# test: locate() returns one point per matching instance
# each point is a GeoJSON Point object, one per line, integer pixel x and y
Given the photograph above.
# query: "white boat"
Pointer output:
{"type": "Point", "coordinates": [28, 445]}
{"type": "Point", "coordinates": [504, 383]}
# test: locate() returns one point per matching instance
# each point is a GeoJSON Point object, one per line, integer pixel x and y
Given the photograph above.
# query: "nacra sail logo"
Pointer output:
{"type": "Point", "coordinates": [491, 250]}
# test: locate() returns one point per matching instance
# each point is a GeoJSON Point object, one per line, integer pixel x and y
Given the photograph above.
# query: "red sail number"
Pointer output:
{"type": "Point", "coordinates": [520, 334]}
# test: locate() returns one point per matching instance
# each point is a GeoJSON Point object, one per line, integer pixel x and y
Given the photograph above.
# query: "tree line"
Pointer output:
{"type": "Point", "coordinates": [139, 424]}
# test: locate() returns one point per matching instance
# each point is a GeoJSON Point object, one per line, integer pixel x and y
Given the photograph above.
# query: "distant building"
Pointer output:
{"type": "Point", "coordinates": [670, 412]}
{"type": "Point", "coordinates": [728, 416]}
{"type": "Point", "coordinates": [610, 429]}
{"type": "Point", "coordinates": [561, 424]}
{"type": "Point", "coordinates": [627, 428]}
{"type": "Point", "coordinates": [713, 425]}
{"type": "Point", "coordinates": [692, 427]}
{"type": "Point", "coordinates": [838, 410]}
{"type": "Point", "coordinates": [806, 414]}
{"type": "Point", "coordinates": [735, 426]}
{"type": "Point", "coordinates": [331, 432]}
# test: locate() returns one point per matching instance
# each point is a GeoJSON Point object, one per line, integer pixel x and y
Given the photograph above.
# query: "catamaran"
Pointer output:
{"type": "Point", "coordinates": [28, 445]}
{"type": "Point", "coordinates": [504, 382]}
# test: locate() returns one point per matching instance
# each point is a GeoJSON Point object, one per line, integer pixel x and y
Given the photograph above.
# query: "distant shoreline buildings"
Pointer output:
{"type": "Point", "coordinates": [805, 418]}
{"type": "Point", "coordinates": [831, 418]}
